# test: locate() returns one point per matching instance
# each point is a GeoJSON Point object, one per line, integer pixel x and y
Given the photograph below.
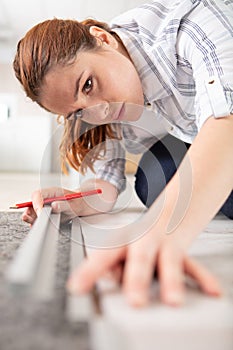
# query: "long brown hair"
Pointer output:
{"type": "Point", "coordinates": [57, 42]}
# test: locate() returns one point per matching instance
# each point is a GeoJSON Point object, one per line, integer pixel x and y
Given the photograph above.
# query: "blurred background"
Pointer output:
{"type": "Point", "coordinates": [25, 129]}
{"type": "Point", "coordinates": [30, 136]}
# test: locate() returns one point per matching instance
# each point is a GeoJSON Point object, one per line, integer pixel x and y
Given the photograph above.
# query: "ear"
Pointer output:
{"type": "Point", "coordinates": [104, 36]}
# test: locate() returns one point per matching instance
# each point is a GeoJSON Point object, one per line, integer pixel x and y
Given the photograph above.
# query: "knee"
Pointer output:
{"type": "Point", "coordinates": [149, 182]}
{"type": "Point", "coordinates": [141, 186]}
{"type": "Point", "coordinates": [156, 168]}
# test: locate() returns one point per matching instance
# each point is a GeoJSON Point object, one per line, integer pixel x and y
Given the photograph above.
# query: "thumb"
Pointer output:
{"type": "Point", "coordinates": [38, 202]}
{"type": "Point", "coordinates": [62, 207]}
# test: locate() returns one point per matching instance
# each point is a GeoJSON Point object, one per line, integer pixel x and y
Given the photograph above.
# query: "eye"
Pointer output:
{"type": "Point", "coordinates": [88, 85]}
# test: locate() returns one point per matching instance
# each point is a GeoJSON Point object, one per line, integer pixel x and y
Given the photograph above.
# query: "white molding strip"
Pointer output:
{"type": "Point", "coordinates": [32, 271]}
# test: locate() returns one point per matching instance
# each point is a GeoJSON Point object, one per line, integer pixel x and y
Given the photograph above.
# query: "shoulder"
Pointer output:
{"type": "Point", "coordinates": [154, 15]}
{"type": "Point", "coordinates": [153, 24]}
{"type": "Point", "coordinates": [197, 31]}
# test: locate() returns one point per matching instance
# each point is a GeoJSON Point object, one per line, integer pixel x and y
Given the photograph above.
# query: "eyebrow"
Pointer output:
{"type": "Point", "coordinates": [77, 86]}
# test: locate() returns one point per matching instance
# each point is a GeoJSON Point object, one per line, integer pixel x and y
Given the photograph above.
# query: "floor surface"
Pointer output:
{"type": "Point", "coordinates": [26, 324]}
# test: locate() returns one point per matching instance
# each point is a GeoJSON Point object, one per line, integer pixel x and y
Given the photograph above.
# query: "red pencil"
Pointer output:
{"type": "Point", "coordinates": [67, 197]}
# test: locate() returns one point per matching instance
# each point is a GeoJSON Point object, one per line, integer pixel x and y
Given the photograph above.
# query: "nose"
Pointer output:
{"type": "Point", "coordinates": [96, 113]}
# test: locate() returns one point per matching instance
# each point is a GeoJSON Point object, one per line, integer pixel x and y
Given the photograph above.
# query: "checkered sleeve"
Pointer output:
{"type": "Point", "coordinates": [209, 48]}
{"type": "Point", "coordinates": [112, 167]}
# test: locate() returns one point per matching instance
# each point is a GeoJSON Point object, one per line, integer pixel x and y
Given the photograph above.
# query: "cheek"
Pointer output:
{"type": "Point", "coordinates": [131, 87]}
{"type": "Point", "coordinates": [125, 86]}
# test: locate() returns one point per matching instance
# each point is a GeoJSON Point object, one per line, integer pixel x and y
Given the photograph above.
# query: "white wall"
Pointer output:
{"type": "Point", "coordinates": [25, 136]}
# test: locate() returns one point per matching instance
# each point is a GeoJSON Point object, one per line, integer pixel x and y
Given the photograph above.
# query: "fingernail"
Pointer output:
{"type": "Point", "coordinates": [56, 206]}
{"type": "Point", "coordinates": [216, 291]}
{"type": "Point", "coordinates": [137, 298]}
{"type": "Point", "coordinates": [75, 288]}
{"type": "Point", "coordinates": [175, 298]}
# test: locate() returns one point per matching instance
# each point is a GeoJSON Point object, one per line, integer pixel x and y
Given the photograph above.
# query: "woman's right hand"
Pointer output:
{"type": "Point", "coordinates": [31, 213]}
{"type": "Point", "coordinates": [89, 205]}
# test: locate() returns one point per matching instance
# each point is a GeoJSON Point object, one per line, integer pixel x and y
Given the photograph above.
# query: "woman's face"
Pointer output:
{"type": "Point", "coordinates": [102, 86]}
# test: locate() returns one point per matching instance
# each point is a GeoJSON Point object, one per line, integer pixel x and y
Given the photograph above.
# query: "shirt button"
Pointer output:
{"type": "Point", "coordinates": [148, 106]}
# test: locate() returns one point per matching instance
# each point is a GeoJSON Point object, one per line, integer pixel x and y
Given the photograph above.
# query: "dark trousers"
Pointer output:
{"type": "Point", "coordinates": [158, 165]}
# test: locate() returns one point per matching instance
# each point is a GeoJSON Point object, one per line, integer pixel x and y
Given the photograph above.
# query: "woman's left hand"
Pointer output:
{"type": "Point", "coordinates": [164, 253]}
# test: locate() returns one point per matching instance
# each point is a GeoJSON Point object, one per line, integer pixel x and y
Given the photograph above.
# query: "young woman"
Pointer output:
{"type": "Point", "coordinates": [174, 58]}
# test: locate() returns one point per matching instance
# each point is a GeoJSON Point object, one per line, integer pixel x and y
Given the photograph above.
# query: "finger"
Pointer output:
{"type": "Point", "coordinates": [139, 269]}
{"type": "Point", "coordinates": [29, 215]}
{"type": "Point", "coordinates": [170, 269]}
{"type": "Point", "coordinates": [117, 273]}
{"type": "Point", "coordinates": [37, 201]}
{"type": "Point", "coordinates": [66, 207]}
{"type": "Point", "coordinates": [28, 219]}
{"type": "Point", "coordinates": [207, 282]}
{"type": "Point", "coordinates": [39, 196]}
{"type": "Point", "coordinates": [110, 281]}
{"type": "Point", "coordinates": [91, 269]}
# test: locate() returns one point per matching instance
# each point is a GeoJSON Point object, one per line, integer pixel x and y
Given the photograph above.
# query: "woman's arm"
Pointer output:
{"type": "Point", "coordinates": [191, 199]}
{"type": "Point", "coordinates": [100, 203]}
{"type": "Point", "coordinates": [203, 181]}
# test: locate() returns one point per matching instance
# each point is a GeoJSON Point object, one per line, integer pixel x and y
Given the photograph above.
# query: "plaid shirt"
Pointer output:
{"type": "Point", "coordinates": [182, 51]}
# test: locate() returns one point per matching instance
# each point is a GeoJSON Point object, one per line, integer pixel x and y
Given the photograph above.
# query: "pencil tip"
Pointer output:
{"type": "Point", "coordinates": [13, 207]}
